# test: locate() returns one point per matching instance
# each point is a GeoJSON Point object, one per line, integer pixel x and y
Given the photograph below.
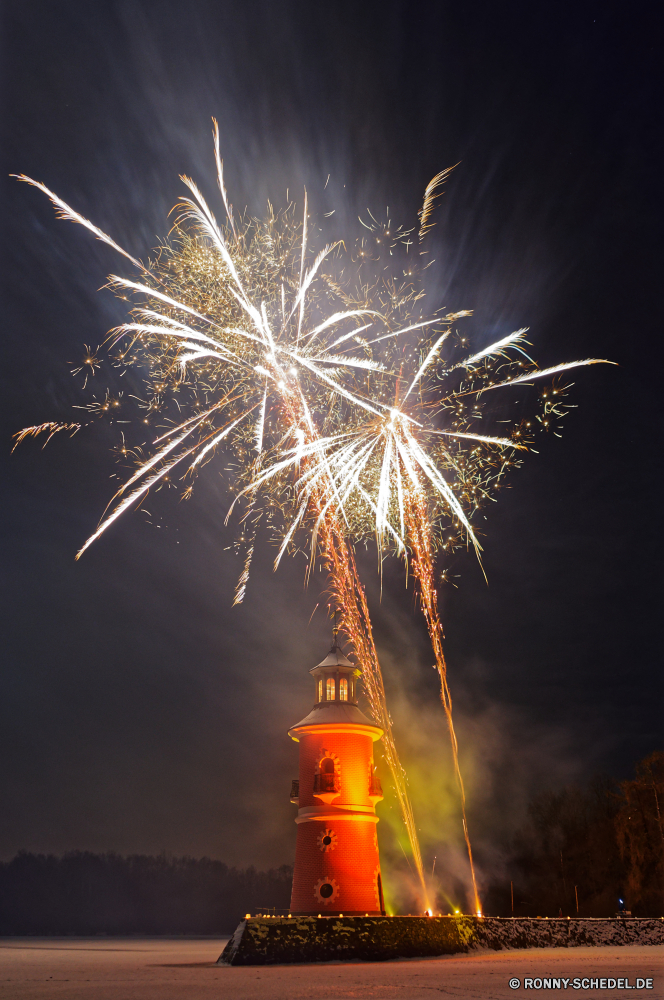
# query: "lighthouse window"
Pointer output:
{"type": "Point", "coordinates": [326, 890]}
{"type": "Point", "coordinates": [327, 765]}
{"type": "Point", "coordinates": [326, 841]}
{"type": "Point", "coordinates": [343, 689]}
{"type": "Point", "coordinates": [320, 690]}
{"type": "Point", "coordinates": [330, 689]}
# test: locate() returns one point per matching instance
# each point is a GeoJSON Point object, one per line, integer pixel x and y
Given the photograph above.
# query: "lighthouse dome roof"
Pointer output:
{"type": "Point", "coordinates": [334, 713]}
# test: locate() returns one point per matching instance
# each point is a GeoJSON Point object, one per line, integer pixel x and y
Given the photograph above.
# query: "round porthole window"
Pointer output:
{"type": "Point", "coordinates": [326, 890]}
{"type": "Point", "coordinates": [327, 840]}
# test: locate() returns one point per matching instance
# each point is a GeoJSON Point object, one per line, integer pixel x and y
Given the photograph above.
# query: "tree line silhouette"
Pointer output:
{"type": "Point", "coordinates": [590, 847]}
{"type": "Point", "coordinates": [86, 894]}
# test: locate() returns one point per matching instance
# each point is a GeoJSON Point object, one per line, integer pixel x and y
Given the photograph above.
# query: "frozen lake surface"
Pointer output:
{"type": "Point", "coordinates": [161, 969]}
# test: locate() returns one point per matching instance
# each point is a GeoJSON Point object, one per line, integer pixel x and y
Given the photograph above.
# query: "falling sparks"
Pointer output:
{"type": "Point", "coordinates": [51, 427]}
{"type": "Point", "coordinates": [89, 364]}
{"type": "Point", "coordinates": [340, 409]}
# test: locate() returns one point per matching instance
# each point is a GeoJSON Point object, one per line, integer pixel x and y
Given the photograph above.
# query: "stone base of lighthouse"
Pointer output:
{"type": "Point", "coordinates": [265, 941]}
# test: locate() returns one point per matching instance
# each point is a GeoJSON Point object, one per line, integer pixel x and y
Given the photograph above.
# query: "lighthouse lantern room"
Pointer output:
{"type": "Point", "coordinates": [337, 867]}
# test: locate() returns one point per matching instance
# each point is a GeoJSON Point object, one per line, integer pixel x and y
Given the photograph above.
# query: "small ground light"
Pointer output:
{"type": "Point", "coordinates": [457, 911]}
{"type": "Point", "coordinates": [247, 916]}
{"type": "Point", "coordinates": [289, 914]}
{"type": "Point", "coordinates": [479, 913]}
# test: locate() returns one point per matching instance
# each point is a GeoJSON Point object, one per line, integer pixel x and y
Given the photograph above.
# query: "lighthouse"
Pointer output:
{"type": "Point", "coordinates": [337, 867]}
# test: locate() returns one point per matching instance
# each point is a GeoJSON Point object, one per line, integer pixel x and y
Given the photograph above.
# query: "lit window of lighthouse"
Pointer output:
{"type": "Point", "coordinates": [343, 689]}
{"type": "Point", "coordinates": [327, 766]}
{"type": "Point", "coordinates": [330, 689]}
{"type": "Point", "coordinates": [320, 689]}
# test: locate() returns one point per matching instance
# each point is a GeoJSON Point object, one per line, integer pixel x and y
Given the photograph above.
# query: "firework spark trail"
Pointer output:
{"type": "Point", "coordinates": [65, 212]}
{"type": "Point", "coordinates": [52, 426]}
{"type": "Point", "coordinates": [431, 193]}
{"type": "Point", "coordinates": [349, 597]}
{"type": "Point", "coordinates": [423, 569]}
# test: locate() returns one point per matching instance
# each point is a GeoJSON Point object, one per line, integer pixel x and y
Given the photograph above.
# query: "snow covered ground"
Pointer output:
{"type": "Point", "coordinates": [158, 969]}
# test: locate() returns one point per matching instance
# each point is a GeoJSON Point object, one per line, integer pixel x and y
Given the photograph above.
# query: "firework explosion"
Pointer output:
{"type": "Point", "coordinates": [342, 411]}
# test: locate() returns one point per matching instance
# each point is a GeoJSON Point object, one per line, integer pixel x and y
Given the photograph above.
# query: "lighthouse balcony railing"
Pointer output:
{"type": "Point", "coordinates": [326, 783]}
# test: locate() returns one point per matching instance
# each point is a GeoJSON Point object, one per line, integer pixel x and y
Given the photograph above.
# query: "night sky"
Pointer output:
{"type": "Point", "coordinates": [139, 711]}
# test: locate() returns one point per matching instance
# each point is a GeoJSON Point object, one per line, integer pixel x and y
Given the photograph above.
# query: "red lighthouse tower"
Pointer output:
{"type": "Point", "coordinates": [337, 868]}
